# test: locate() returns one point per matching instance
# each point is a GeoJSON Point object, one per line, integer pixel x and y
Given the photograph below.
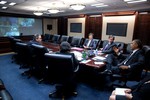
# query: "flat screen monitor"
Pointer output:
{"type": "Point", "coordinates": [76, 27]}
{"type": "Point", "coordinates": [117, 29]}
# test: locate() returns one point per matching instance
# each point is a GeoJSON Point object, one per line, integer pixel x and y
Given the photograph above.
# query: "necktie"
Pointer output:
{"type": "Point", "coordinates": [127, 59]}
{"type": "Point", "coordinates": [88, 43]}
{"type": "Point", "coordinates": [106, 47]}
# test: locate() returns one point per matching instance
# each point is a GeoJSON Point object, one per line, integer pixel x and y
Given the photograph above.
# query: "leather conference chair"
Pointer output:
{"type": "Point", "coordinates": [21, 49]}
{"type": "Point", "coordinates": [96, 41]}
{"type": "Point", "coordinates": [13, 41]}
{"type": "Point", "coordinates": [76, 42]}
{"type": "Point", "coordinates": [39, 66]}
{"type": "Point", "coordinates": [120, 45]}
{"type": "Point", "coordinates": [4, 93]}
{"type": "Point", "coordinates": [47, 37]}
{"type": "Point", "coordinates": [61, 71]}
{"type": "Point", "coordinates": [64, 38]}
{"type": "Point", "coordinates": [55, 38]}
{"type": "Point", "coordinates": [146, 50]}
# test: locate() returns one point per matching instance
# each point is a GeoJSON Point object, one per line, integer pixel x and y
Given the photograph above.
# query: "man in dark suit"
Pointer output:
{"type": "Point", "coordinates": [131, 66]}
{"type": "Point", "coordinates": [108, 46]}
{"type": "Point", "coordinates": [37, 39]}
{"type": "Point", "coordinates": [90, 44]}
{"type": "Point", "coordinates": [138, 92]}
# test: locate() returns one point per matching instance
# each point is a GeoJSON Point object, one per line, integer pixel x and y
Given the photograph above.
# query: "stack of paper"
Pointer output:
{"type": "Point", "coordinates": [99, 63]}
{"type": "Point", "coordinates": [99, 58]}
{"type": "Point", "coordinates": [120, 91]}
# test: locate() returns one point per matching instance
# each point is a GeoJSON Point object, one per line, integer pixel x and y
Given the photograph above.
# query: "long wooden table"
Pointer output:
{"type": "Point", "coordinates": [55, 47]}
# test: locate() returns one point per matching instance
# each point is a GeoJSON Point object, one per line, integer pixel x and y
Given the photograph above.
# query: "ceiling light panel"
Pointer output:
{"type": "Point", "coordinates": [4, 7]}
{"type": "Point", "coordinates": [3, 2]}
{"type": "Point", "coordinates": [134, 1]}
{"type": "Point", "coordinates": [12, 3]}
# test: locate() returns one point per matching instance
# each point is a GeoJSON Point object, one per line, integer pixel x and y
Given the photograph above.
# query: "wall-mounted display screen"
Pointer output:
{"type": "Point", "coordinates": [76, 27]}
{"type": "Point", "coordinates": [14, 26]}
{"type": "Point", "coordinates": [117, 29]}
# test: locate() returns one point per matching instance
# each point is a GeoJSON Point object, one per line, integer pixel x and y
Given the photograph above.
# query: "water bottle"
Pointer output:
{"type": "Point", "coordinates": [84, 55]}
{"type": "Point", "coordinates": [96, 52]}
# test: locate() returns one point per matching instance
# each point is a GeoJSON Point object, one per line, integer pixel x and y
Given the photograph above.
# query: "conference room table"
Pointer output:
{"type": "Point", "coordinates": [89, 62]}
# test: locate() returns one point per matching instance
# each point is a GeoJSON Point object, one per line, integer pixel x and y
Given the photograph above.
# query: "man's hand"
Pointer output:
{"type": "Point", "coordinates": [128, 96]}
{"type": "Point", "coordinates": [123, 67]}
{"type": "Point", "coordinates": [116, 50]}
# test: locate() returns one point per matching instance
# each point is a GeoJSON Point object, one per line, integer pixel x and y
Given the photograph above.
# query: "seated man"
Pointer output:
{"type": "Point", "coordinates": [139, 92]}
{"type": "Point", "coordinates": [37, 38]}
{"type": "Point", "coordinates": [108, 48]}
{"type": "Point", "coordinates": [132, 65]}
{"type": "Point", "coordinates": [68, 86]}
{"type": "Point", "coordinates": [90, 43]}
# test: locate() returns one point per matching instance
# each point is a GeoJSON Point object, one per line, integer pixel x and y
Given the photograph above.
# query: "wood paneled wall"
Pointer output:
{"type": "Point", "coordinates": [62, 25]}
{"type": "Point", "coordinates": [93, 25]}
{"type": "Point", "coordinates": [142, 28]}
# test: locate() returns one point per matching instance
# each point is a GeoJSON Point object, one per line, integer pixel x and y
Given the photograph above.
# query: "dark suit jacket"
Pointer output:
{"type": "Point", "coordinates": [109, 48]}
{"type": "Point", "coordinates": [142, 90]}
{"type": "Point", "coordinates": [136, 63]}
{"type": "Point", "coordinates": [92, 44]}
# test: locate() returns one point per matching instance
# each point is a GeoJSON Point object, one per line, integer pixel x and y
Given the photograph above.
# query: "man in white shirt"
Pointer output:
{"type": "Point", "coordinates": [89, 44]}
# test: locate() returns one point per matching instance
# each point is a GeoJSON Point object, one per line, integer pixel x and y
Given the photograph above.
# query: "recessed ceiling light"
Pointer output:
{"type": "Point", "coordinates": [134, 1]}
{"type": "Point", "coordinates": [38, 13]}
{"type": "Point", "coordinates": [12, 3]}
{"type": "Point", "coordinates": [53, 11]}
{"type": "Point", "coordinates": [102, 6]}
{"type": "Point", "coordinates": [77, 6]}
{"type": "Point", "coordinates": [3, 2]}
{"type": "Point", "coordinates": [98, 4]}
{"type": "Point", "coordinates": [4, 7]}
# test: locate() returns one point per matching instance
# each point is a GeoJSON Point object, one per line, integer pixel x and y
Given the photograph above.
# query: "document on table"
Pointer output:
{"type": "Point", "coordinates": [98, 63]}
{"type": "Point", "coordinates": [99, 58]}
{"type": "Point", "coordinates": [85, 61]}
{"type": "Point", "coordinates": [120, 91]}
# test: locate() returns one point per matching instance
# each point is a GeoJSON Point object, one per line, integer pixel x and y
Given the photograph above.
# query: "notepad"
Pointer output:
{"type": "Point", "coordinates": [99, 58]}
{"type": "Point", "coordinates": [120, 91]}
{"type": "Point", "coordinates": [98, 63]}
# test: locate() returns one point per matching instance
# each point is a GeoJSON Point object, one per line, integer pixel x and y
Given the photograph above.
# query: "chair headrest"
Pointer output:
{"type": "Point", "coordinates": [19, 43]}
{"type": "Point", "coordinates": [37, 46]}
{"type": "Point", "coordinates": [61, 56]}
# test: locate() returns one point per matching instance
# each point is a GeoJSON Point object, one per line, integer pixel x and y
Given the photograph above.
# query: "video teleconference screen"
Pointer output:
{"type": "Point", "coordinates": [14, 26]}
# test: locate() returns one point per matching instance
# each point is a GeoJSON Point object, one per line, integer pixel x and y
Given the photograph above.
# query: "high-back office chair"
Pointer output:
{"type": "Point", "coordinates": [55, 38]}
{"type": "Point", "coordinates": [64, 38]}
{"type": "Point", "coordinates": [61, 70]}
{"type": "Point", "coordinates": [76, 42]}
{"type": "Point", "coordinates": [128, 49]}
{"type": "Point", "coordinates": [13, 42]}
{"type": "Point", "coordinates": [120, 45]}
{"type": "Point", "coordinates": [21, 49]}
{"type": "Point", "coordinates": [146, 50]}
{"type": "Point", "coordinates": [47, 37]}
{"type": "Point", "coordinates": [96, 42]}
{"type": "Point", "coordinates": [39, 59]}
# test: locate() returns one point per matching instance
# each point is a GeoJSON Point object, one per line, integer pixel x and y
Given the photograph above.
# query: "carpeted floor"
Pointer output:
{"type": "Point", "coordinates": [22, 88]}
